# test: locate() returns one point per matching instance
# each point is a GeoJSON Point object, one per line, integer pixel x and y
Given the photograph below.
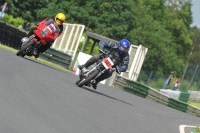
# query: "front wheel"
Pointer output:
{"type": "Point", "coordinates": [78, 81]}
{"type": "Point", "coordinates": [85, 81]}
{"type": "Point", "coordinates": [25, 47]}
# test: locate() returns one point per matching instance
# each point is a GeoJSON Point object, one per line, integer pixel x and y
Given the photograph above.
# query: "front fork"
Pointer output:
{"type": "Point", "coordinates": [37, 44]}
{"type": "Point", "coordinates": [32, 37]}
{"type": "Point", "coordinates": [94, 80]}
{"type": "Point", "coordinates": [100, 73]}
{"type": "Point", "coordinates": [97, 67]}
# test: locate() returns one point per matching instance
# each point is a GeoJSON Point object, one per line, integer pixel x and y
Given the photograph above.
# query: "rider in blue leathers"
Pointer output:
{"type": "Point", "coordinates": [118, 50]}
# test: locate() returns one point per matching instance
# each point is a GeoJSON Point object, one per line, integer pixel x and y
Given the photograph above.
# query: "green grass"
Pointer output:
{"type": "Point", "coordinates": [56, 66]}
{"type": "Point", "coordinates": [196, 130]}
{"type": "Point", "coordinates": [196, 104]}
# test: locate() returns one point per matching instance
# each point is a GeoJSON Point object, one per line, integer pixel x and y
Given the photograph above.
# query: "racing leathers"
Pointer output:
{"type": "Point", "coordinates": [59, 30]}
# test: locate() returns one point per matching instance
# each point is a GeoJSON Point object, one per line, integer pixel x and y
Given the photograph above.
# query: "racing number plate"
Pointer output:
{"type": "Point", "coordinates": [107, 63]}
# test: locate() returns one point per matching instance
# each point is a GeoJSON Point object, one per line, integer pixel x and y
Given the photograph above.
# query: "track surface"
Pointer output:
{"type": "Point", "coordinates": [35, 98]}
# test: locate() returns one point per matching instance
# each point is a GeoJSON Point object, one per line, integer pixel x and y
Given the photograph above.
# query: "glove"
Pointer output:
{"type": "Point", "coordinates": [112, 69]}
{"type": "Point", "coordinates": [118, 70]}
{"type": "Point", "coordinates": [101, 50]}
{"type": "Point", "coordinates": [101, 54]}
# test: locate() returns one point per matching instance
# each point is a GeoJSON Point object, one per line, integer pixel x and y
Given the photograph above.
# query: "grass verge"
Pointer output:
{"type": "Point", "coordinates": [56, 66]}
{"type": "Point", "coordinates": [196, 104]}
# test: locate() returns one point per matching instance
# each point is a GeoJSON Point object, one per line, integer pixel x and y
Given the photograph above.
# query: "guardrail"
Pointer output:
{"type": "Point", "coordinates": [147, 92]}
{"type": "Point", "coordinates": [194, 96]}
{"type": "Point", "coordinates": [57, 57]}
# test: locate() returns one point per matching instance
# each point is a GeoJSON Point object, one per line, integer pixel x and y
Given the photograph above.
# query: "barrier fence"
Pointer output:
{"type": "Point", "coordinates": [147, 92]}
{"type": "Point", "coordinates": [10, 36]}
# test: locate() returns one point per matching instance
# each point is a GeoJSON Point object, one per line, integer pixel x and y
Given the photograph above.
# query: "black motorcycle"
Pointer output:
{"type": "Point", "coordinates": [97, 69]}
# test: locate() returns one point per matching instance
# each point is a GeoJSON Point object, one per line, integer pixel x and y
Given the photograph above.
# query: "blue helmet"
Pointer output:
{"type": "Point", "coordinates": [124, 46]}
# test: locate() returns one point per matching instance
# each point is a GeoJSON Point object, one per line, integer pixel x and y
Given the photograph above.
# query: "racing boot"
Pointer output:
{"type": "Point", "coordinates": [37, 55]}
{"type": "Point", "coordinates": [94, 86]}
{"type": "Point", "coordinates": [36, 52]}
{"type": "Point", "coordinates": [82, 68]}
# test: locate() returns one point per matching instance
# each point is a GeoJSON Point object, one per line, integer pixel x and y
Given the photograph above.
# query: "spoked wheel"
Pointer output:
{"type": "Point", "coordinates": [85, 81]}
{"type": "Point", "coordinates": [24, 48]}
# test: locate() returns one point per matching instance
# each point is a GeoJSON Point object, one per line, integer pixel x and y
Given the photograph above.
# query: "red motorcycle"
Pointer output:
{"type": "Point", "coordinates": [42, 34]}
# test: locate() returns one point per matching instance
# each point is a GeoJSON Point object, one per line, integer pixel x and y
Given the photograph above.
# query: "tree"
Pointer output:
{"type": "Point", "coordinates": [178, 21]}
{"type": "Point", "coordinates": [194, 58]}
{"type": "Point", "coordinates": [150, 32]}
{"type": "Point", "coordinates": [112, 19]}
{"type": "Point", "coordinates": [32, 10]}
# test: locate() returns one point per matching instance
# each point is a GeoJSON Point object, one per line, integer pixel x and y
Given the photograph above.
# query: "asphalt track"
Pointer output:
{"type": "Point", "coordinates": [35, 98]}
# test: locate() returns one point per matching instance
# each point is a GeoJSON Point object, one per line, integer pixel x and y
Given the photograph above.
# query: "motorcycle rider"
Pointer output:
{"type": "Point", "coordinates": [58, 22]}
{"type": "Point", "coordinates": [118, 50]}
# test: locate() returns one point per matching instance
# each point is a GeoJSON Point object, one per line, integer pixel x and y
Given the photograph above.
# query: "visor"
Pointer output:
{"type": "Point", "coordinates": [124, 49]}
{"type": "Point", "coordinates": [59, 20]}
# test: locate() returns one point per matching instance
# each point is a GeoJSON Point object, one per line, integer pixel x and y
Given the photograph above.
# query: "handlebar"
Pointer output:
{"type": "Point", "coordinates": [117, 70]}
{"type": "Point", "coordinates": [101, 51]}
{"type": "Point", "coordinates": [103, 54]}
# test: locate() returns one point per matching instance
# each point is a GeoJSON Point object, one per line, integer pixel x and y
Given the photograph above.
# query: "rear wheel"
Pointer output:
{"type": "Point", "coordinates": [25, 47]}
{"type": "Point", "coordinates": [85, 81]}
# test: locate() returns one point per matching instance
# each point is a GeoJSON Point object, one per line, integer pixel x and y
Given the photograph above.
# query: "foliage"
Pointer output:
{"type": "Point", "coordinates": [194, 56]}
{"type": "Point", "coordinates": [197, 129]}
{"type": "Point", "coordinates": [194, 103]}
{"type": "Point", "coordinates": [180, 19]}
{"type": "Point", "coordinates": [159, 84]}
{"type": "Point", "coordinates": [14, 21]}
{"type": "Point", "coordinates": [154, 35]}
{"type": "Point", "coordinates": [90, 43]}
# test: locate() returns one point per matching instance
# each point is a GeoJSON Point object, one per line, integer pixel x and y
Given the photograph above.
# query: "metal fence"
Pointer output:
{"type": "Point", "coordinates": [70, 38]}
{"type": "Point", "coordinates": [190, 79]}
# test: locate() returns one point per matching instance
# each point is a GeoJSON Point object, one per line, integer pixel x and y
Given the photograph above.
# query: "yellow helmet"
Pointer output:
{"type": "Point", "coordinates": [60, 18]}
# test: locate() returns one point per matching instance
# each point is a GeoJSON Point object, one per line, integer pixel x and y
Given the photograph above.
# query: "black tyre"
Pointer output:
{"type": "Point", "coordinates": [78, 82]}
{"type": "Point", "coordinates": [25, 47]}
{"type": "Point", "coordinates": [22, 55]}
{"type": "Point", "coordinates": [85, 81]}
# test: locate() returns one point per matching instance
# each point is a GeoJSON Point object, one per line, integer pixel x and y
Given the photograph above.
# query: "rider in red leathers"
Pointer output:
{"type": "Point", "coordinates": [57, 22]}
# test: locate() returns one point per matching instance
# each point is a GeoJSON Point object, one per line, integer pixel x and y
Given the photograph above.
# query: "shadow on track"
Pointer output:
{"type": "Point", "coordinates": [82, 87]}
{"type": "Point", "coordinates": [105, 95]}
